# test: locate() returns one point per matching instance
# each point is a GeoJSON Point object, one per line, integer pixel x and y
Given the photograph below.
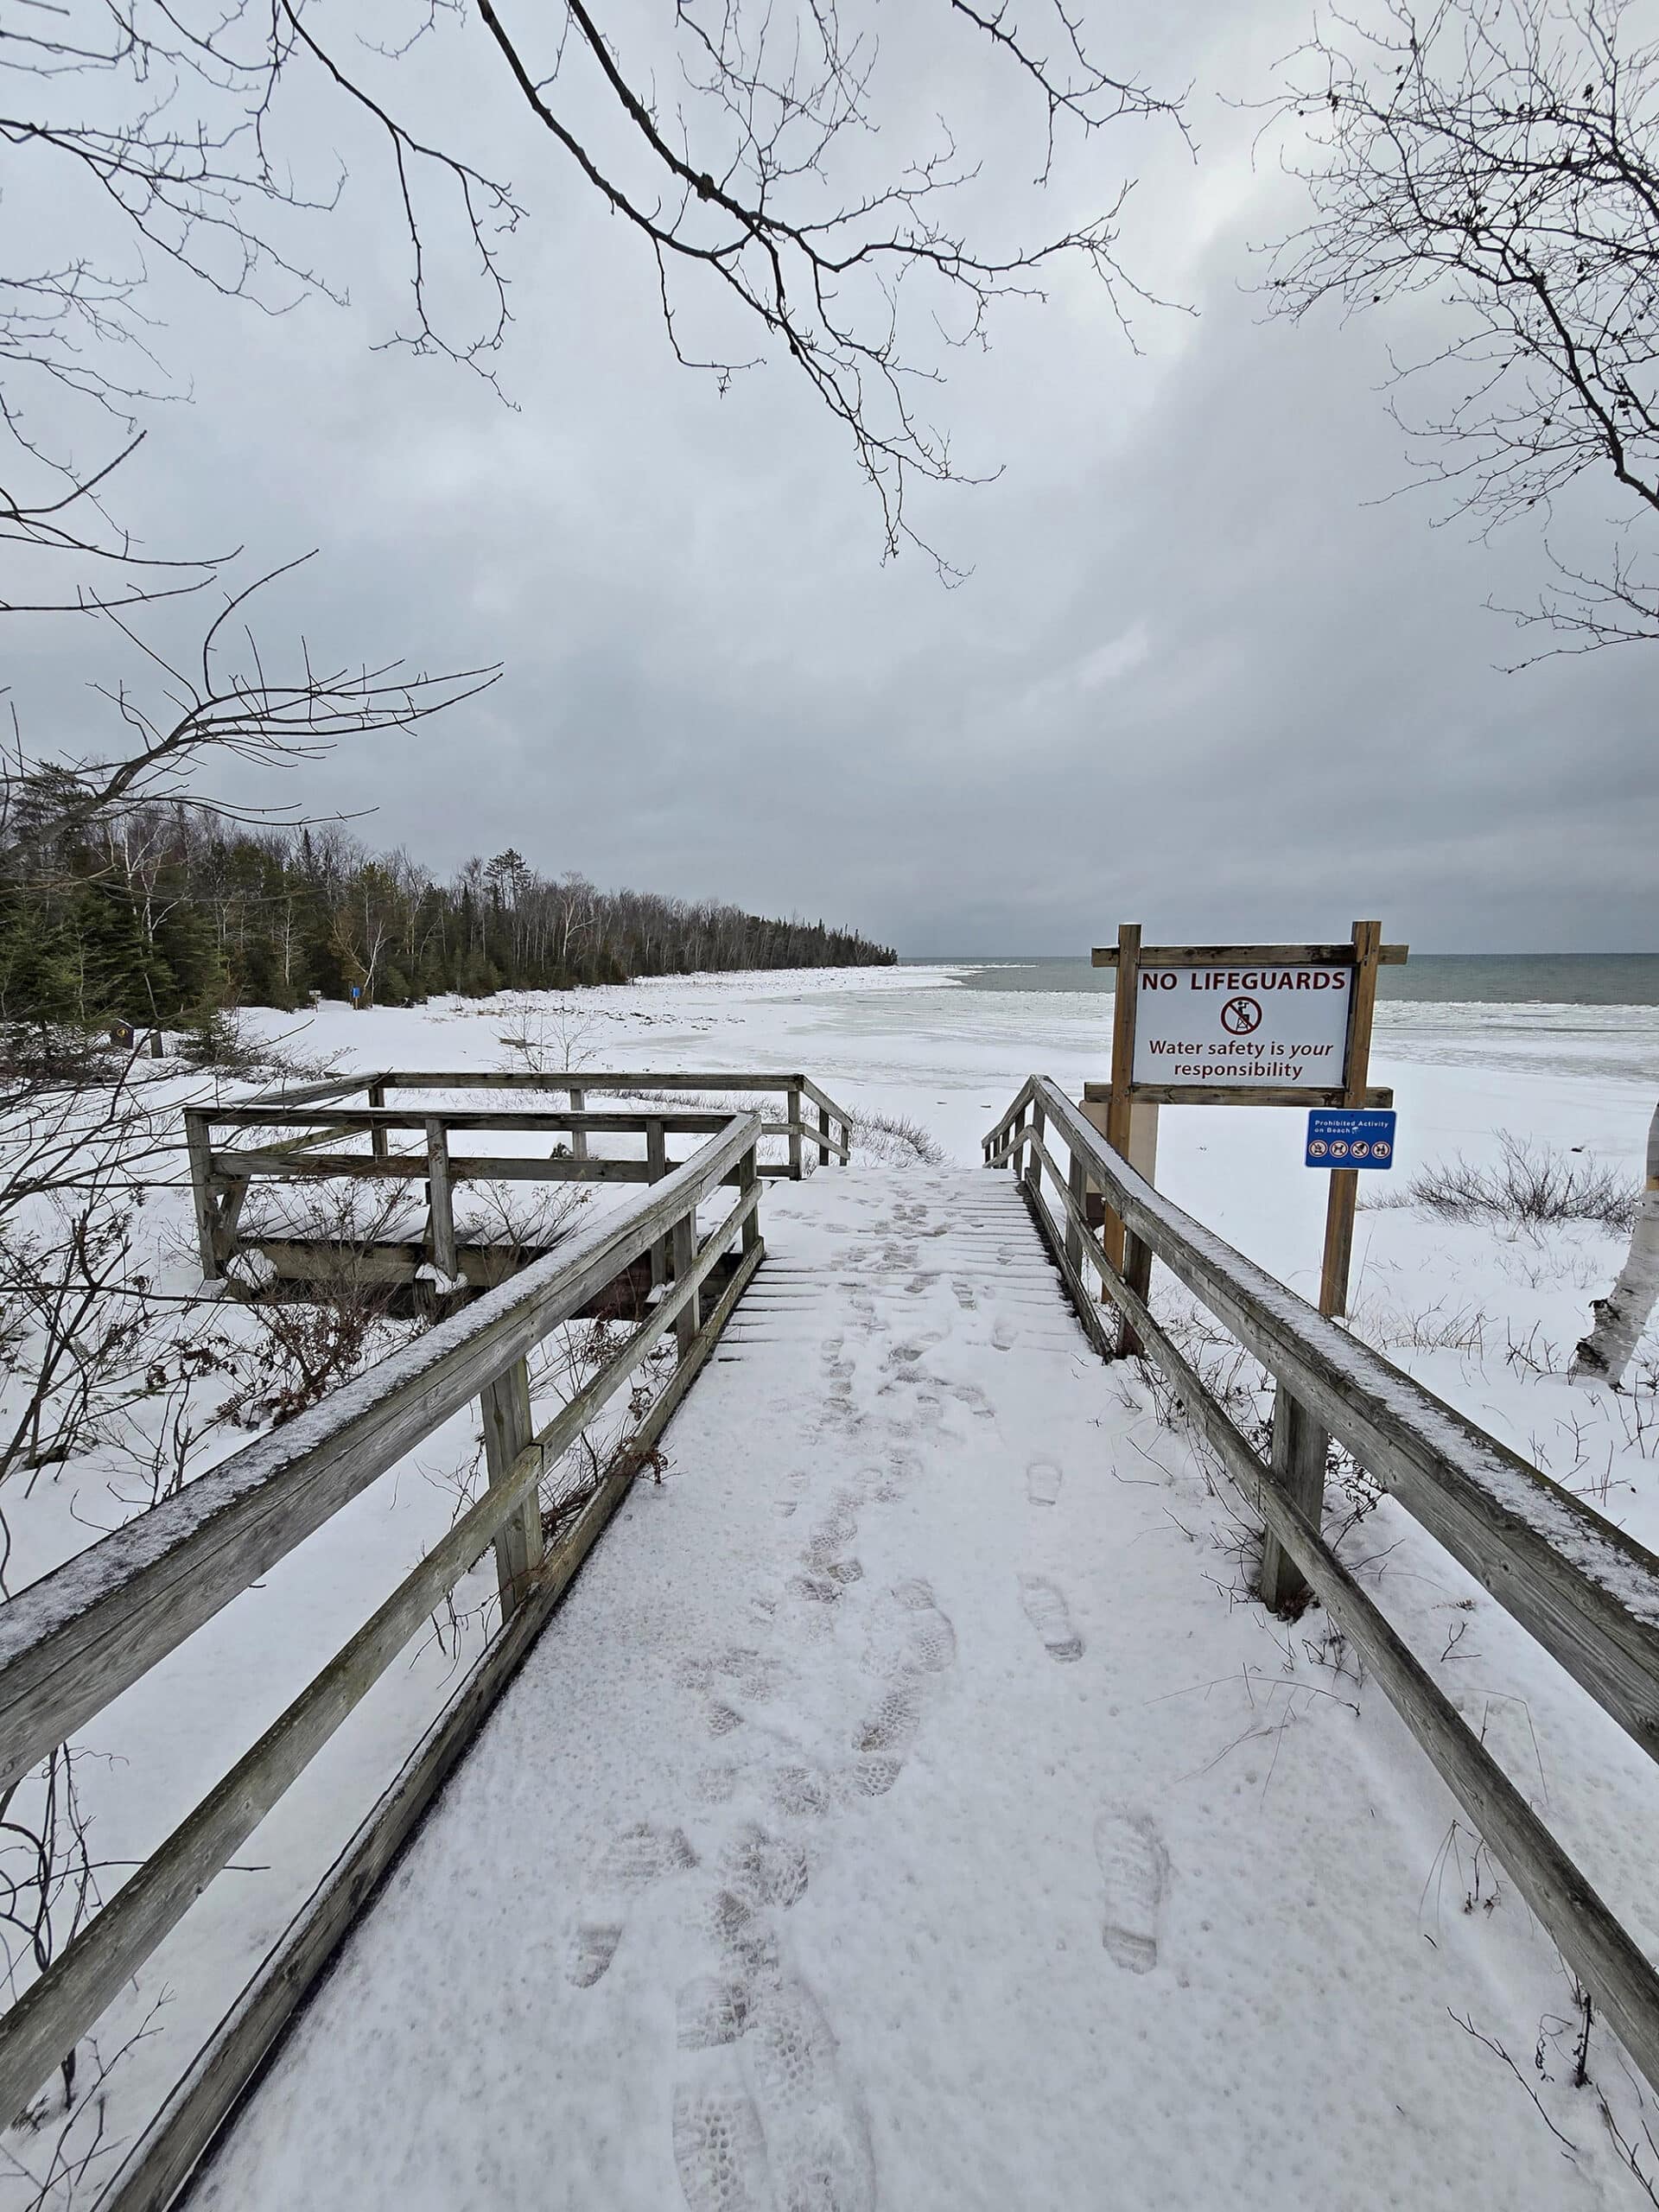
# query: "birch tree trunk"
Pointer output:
{"type": "Point", "coordinates": [1604, 1354]}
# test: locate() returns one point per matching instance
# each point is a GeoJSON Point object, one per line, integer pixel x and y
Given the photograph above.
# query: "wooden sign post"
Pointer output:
{"type": "Point", "coordinates": [1242, 1024]}
{"type": "Point", "coordinates": [1344, 1181]}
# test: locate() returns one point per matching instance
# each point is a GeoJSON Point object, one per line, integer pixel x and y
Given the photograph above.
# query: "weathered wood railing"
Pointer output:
{"type": "Point", "coordinates": [77, 1639]}
{"type": "Point", "coordinates": [294, 1126]}
{"type": "Point", "coordinates": [1585, 1590]}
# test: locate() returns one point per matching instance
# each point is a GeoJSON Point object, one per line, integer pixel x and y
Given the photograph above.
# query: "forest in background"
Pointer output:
{"type": "Point", "coordinates": [163, 915]}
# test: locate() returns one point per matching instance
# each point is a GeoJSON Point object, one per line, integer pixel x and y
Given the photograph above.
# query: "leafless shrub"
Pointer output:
{"type": "Point", "coordinates": [548, 1039]}
{"type": "Point", "coordinates": [1440, 1326]}
{"type": "Point", "coordinates": [62, 2140]}
{"type": "Point", "coordinates": [50, 1888]}
{"type": "Point", "coordinates": [57, 1054]}
{"type": "Point", "coordinates": [610, 1444]}
{"type": "Point", "coordinates": [1244, 1389]}
{"type": "Point", "coordinates": [1630, 2150]}
{"type": "Point", "coordinates": [306, 1346]}
{"type": "Point", "coordinates": [1528, 1186]}
{"type": "Point", "coordinates": [79, 1150]}
{"type": "Point", "coordinates": [520, 1219]}
{"type": "Point", "coordinates": [896, 1140]}
{"type": "Point", "coordinates": [78, 1350]}
{"type": "Point", "coordinates": [1466, 2022]}
{"type": "Point", "coordinates": [1533, 1354]}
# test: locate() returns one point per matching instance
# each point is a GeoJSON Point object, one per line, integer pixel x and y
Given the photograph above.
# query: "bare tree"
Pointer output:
{"type": "Point", "coordinates": [754, 180]}
{"type": "Point", "coordinates": [1502, 155]}
{"type": "Point", "coordinates": [1620, 1318]}
{"type": "Point", "coordinates": [743, 151]}
{"type": "Point", "coordinates": [142, 129]}
{"type": "Point", "coordinates": [226, 704]}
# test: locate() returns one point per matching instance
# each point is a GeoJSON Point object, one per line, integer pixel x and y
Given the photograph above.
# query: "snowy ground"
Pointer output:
{"type": "Point", "coordinates": [941, 1988]}
{"type": "Point", "coordinates": [896, 1816]}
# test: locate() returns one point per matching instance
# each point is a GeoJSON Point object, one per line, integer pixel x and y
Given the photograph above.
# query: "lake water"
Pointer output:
{"type": "Point", "coordinates": [1593, 1015]}
{"type": "Point", "coordinates": [1446, 978]}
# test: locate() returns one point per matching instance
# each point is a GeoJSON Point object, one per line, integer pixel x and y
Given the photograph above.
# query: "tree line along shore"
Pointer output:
{"type": "Point", "coordinates": [162, 915]}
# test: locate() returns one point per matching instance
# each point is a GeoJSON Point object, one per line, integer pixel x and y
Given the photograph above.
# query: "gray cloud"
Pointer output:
{"type": "Point", "coordinates": [1197, 675]}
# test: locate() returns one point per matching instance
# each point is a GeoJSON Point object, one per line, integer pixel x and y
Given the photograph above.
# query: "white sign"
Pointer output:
{"type": "Point", "coordinates": [1237, 1026]}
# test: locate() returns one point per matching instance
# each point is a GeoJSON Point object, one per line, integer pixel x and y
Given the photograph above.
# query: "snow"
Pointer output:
{"type": "Point", "coordinates": [952, 2012]}
{"type": "Point", "coordinates": [894, 1815]}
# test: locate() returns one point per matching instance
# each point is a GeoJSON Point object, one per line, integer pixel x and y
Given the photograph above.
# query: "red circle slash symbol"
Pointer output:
{"type": "Point", "coordinates": [1316, 1147]}
{"type": "Point", "coordinates": [1240, 1016]}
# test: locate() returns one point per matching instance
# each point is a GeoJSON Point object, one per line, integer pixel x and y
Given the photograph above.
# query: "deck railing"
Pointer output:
{"type": "Point", "coordinates": [77, 1639]}
{"type": "Point", "coordinates": [294, 1125]}
{"type": "Point", "coordinates": [1587, 1593]}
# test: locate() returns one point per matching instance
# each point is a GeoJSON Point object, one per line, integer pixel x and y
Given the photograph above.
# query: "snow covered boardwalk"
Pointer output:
{"type": "Point", "coordinates": [902, 1812]}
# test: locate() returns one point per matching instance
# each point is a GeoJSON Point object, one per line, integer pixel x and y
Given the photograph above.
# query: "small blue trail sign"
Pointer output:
{"type": "Point", "coordinates": [1350, 1136]}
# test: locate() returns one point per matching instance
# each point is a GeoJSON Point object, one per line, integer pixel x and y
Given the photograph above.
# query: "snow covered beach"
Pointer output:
{"type": "Point", "coordinates": [1276, 1772]}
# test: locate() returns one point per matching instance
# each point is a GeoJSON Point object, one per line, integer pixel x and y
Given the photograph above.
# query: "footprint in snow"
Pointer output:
{"type": "Point", "coordinates": [1005, 1334]}
{"type": "Point", "coordinates": [826, 1547]}
{"type": "Point", "coordinates": [970, 1394]}
{"type": "Point", "coordinates": [1134, 1873]}
{"type": "Point", "coordinates": [763, 1869]}
{"type": "Point", "coordinates": [720, 2153]}
{"type": "Point", "coordinates": [727, 1680]}
{"type": "Point", "coordinates": [1043, 1481]}
{"type": "Point", "coordinates": [1046, 1609]}
{"type": "Point", "coordinates": [800, 1794]}
{"type": "Point", "coordinates": [763, 2116]}
{"type": "Point", "coordinates": [818, 2137]}
{"type": "Point", "coordinates": [630, 1861]}
{"type": "Point", "coordinates": [908, 1634]}
{"type": "Point", "coordinates": [790, 1493]}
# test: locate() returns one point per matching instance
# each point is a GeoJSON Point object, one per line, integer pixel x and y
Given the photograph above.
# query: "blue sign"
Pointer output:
{"type": "Point", "coordinates": [1350, 1136]}
{"type": "Point", "coordinates": [356, 991]}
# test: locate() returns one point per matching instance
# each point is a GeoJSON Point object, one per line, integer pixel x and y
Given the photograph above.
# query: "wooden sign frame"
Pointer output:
{"type": "Point", "coordinates": [1126, 1112]}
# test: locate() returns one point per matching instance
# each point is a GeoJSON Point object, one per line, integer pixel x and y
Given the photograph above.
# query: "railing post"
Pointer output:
{"type": "Point", "coordinates": [748, 1176]}
{"type": "Point", "coordinates": [441, 1199]}
{"type": "Point", "coordinates": [1299, 1469]}
{"type": "Point", "coordinates": [689, 1319]}
{"type": "Point", "coordinates": [1033, 1166]}
{"type": "Point", "coordinates": [378, 1135]}
{"type": "Point", "coordinates": [824, 1137]}
{"type": "Point", "coordinates": [795, 1136]}
{"type": "Point", "coordinates": [1014, 1134]}
{"type": "Point", "coordinates": [1077, 1184]}
{"type": "Point", "coordinates": [656, 1167]}
{"type": "Point", "coordinates": [509, 1431]}
{"type": "Point", "coordinates": [1137, 1257]}
{"type": "Point", "coordinates": [198, 1139]}
{"type": "Point", "coordinates": [578, 1137]}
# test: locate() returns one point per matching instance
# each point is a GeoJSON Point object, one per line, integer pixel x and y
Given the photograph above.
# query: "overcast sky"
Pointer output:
{"type": "Point", "coordinates": [1204, 672]}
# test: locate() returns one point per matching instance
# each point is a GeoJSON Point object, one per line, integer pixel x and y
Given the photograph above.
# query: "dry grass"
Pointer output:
{"type": "Point", "coordinates": [896, 1140]}
{"type": "Point", "coordinates": [1528, 1186]}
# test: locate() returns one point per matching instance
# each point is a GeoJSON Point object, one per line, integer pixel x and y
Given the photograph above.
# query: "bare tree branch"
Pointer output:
{"type": "Point", "coordinates": [222, 706]}
{"type": "Point", "coordinates": [1503, 154]}
{"type": "Point", "coordinates": [762, 190]}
